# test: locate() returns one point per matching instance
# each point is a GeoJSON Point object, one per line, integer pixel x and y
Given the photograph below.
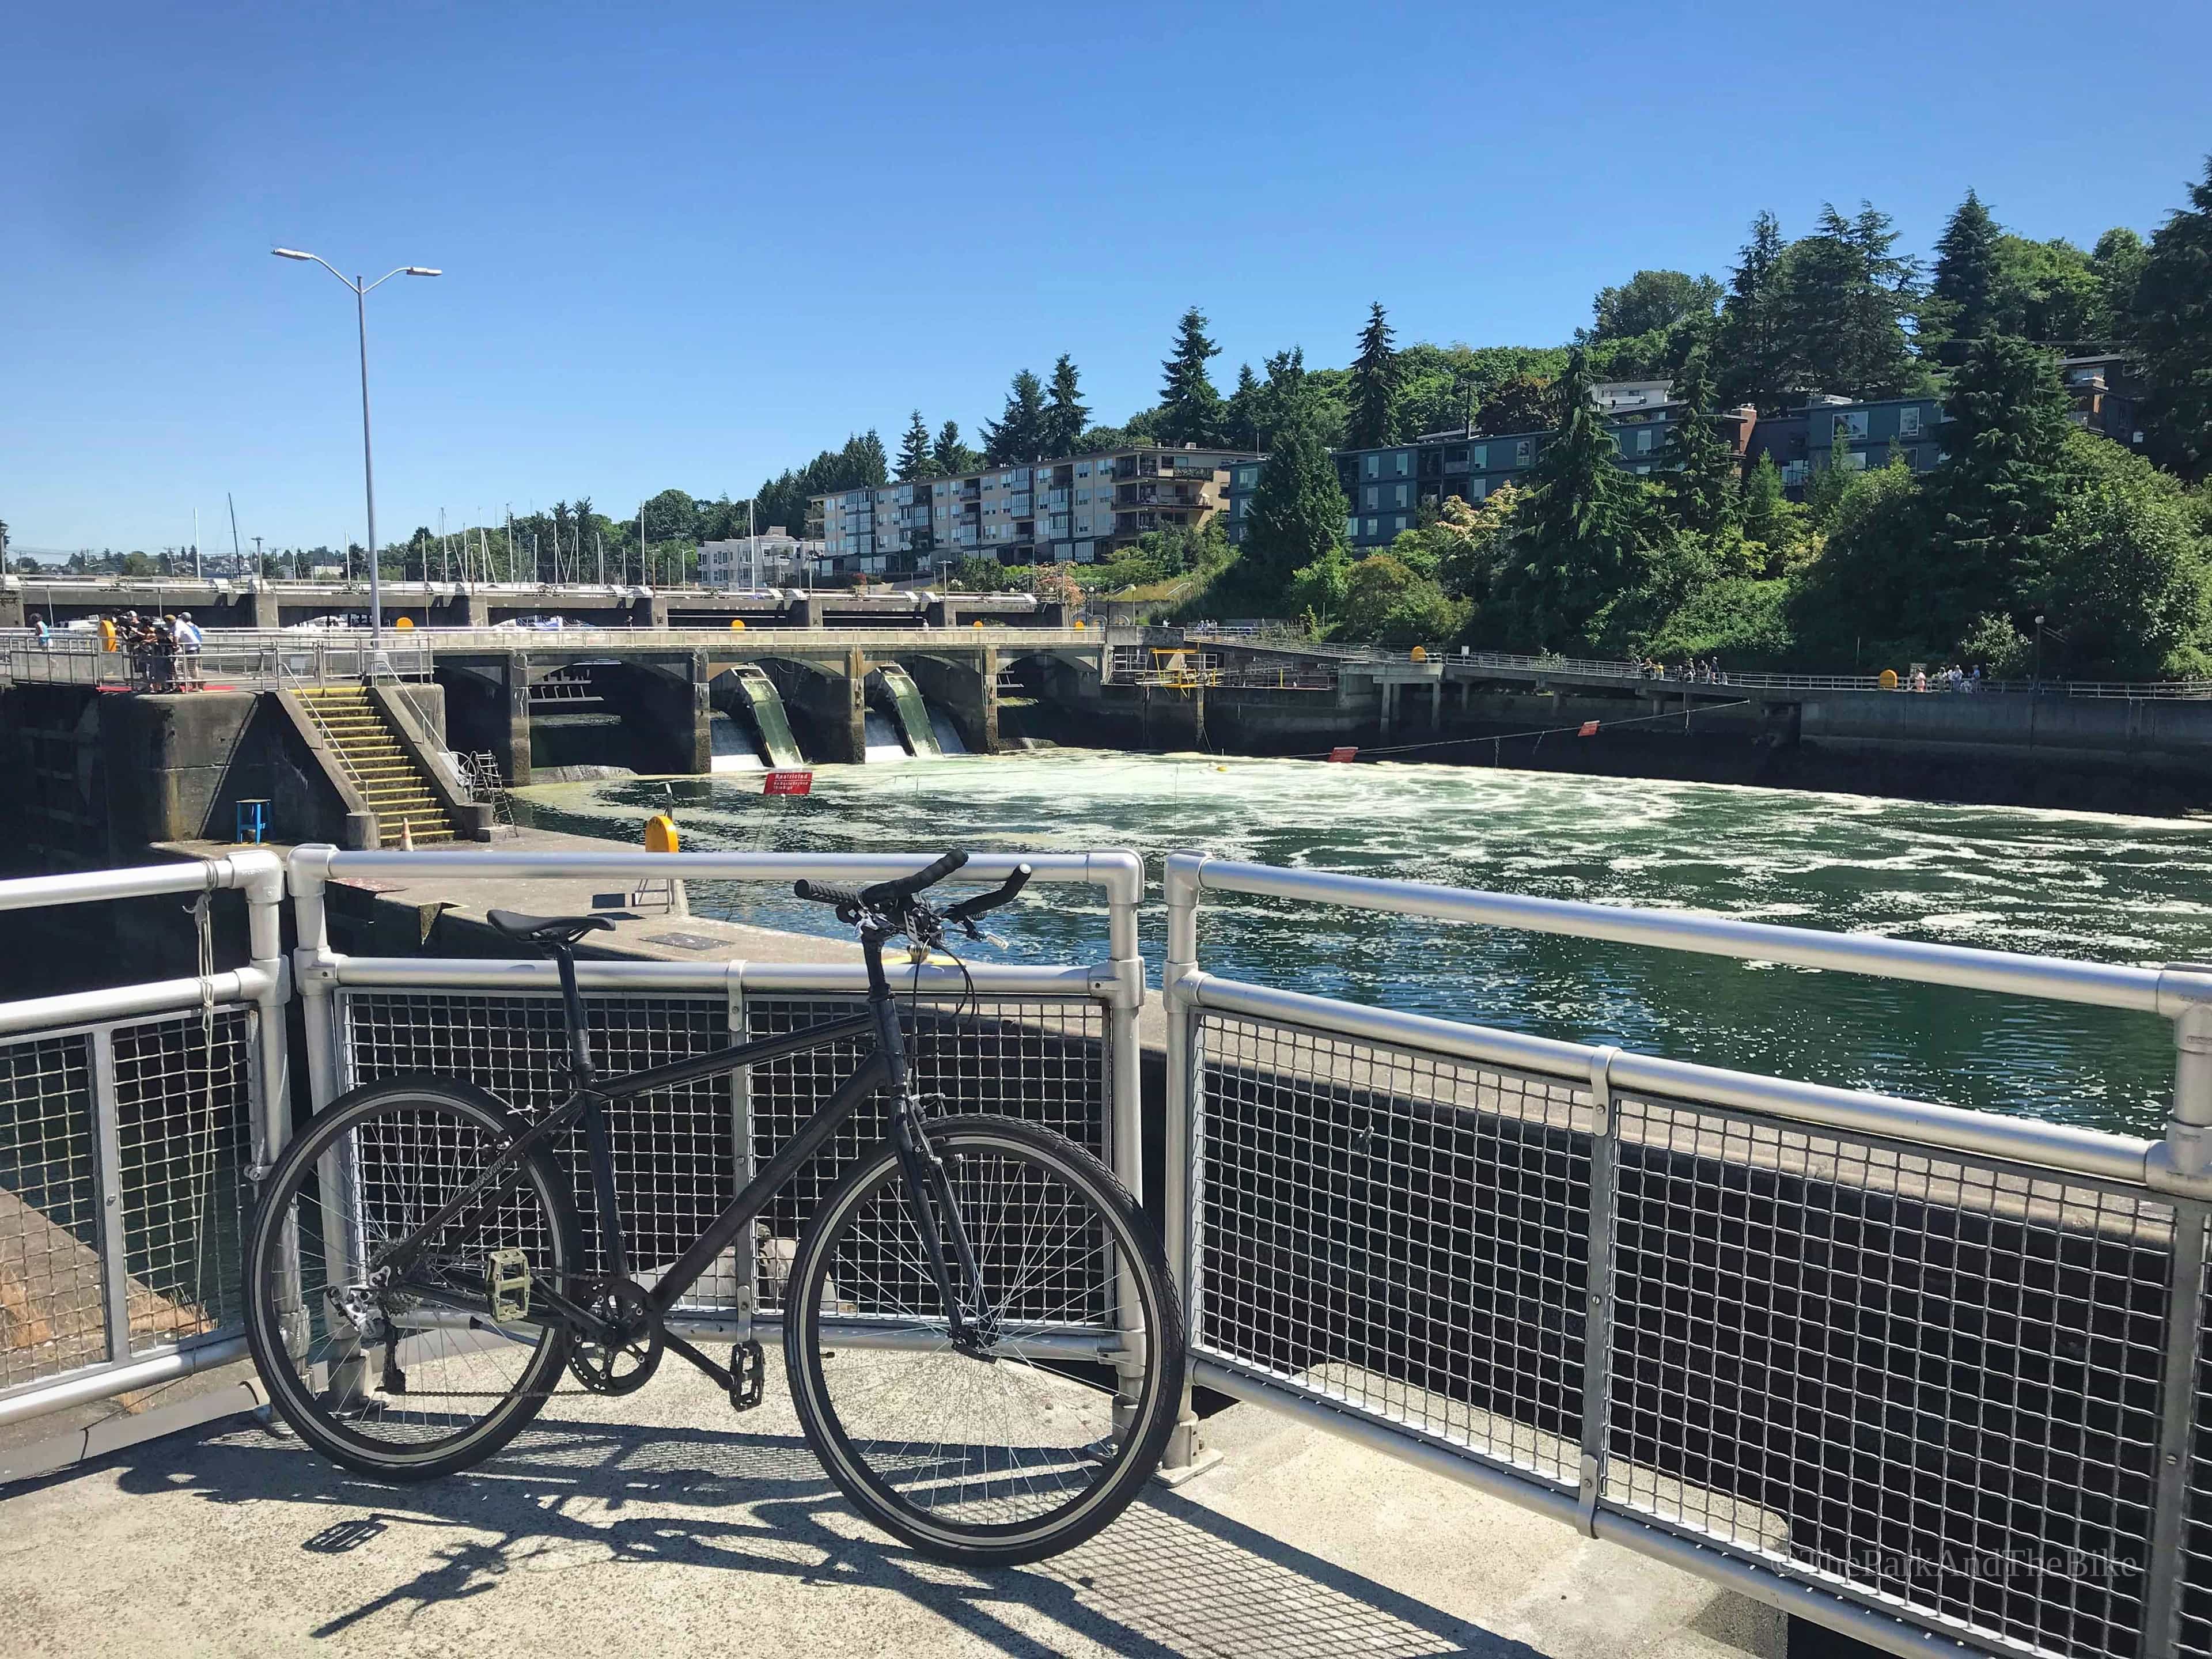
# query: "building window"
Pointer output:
{"type": "Point", "coordinates": [1401, 521]}
{"type": "Point", "coordinates": [1373, 466]}
{"type": "Point", "coordinates": [1368, 499]}
{"type": "Point", "coordinates": [1522, 452]}
{"type": "Point", "coordinates": [1401, 498]}
{"type": "Point", "coordinates": [1852, 425]}
{"type": "Point", "coordinates": [1644, 441]}
{"type": "Point", "coordinates": [1372, 529]}
{"type": "Point", "coordinates": [1477, 488]}
{"type": "Point", "coordinates": [1908, 422]}
{"type": "Point", "coordinates": [1404, 461]}
{"type": "Point", "coordinates": [1851, 460]}
{"type": "Point", "coordinates": [1478, 457]}
{"type": "Point", "coordinates": [1350, 529]}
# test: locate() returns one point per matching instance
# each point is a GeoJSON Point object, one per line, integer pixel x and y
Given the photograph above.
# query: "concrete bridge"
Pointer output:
{"type": "Point", "coordinates": [253, 601]}
{"type": "Point", "coordinates": [666, 685]}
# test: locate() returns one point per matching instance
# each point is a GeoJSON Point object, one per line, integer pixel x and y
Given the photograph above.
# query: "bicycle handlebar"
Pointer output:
{"type": "Point", "coordinates": [888, 895]}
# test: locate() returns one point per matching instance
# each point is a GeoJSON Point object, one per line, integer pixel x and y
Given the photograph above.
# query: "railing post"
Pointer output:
{"type": "Point", "coordinates": [1181, 883]}
{"type": "Point", "coordinates": [107, 1167]}
{"type": "Point", "coordinates": [1597, 1308]}
{"type": "Point", "coordinates": [2188, 1153]}
{"type": "Point", "coordinates": [309, 872]}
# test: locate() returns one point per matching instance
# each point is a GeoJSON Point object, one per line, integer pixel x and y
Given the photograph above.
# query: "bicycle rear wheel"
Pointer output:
{"type": "Point", "coordinates": [421, 1374]}
{"type": "Point", "coordinates": [1041, 1437]}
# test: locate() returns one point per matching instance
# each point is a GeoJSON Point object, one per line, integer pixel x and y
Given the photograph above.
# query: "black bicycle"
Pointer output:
{"type": "Point", "coordinates": [982, 1338]}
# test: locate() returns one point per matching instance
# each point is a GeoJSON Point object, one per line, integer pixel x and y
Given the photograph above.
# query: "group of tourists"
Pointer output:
{"type": "Point", "coordinates": [1707, 672]}
{"type": "Point", "coordinates": [1949, 678]}
{"type": "Point", "coordinates": [164, 651]}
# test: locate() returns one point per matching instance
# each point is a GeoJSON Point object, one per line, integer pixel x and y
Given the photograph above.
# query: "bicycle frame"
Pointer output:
{"type": "Point", "coordinates": [928, 1190]}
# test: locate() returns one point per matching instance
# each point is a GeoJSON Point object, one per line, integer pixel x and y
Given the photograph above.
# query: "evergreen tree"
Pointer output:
{"type": "Point", "coordinates": [1018, 433]}
{"type": "Point", "coordinates": [2170, 318]}
{"type": "Point", "coordinates": [1298, 510]}
{"type": "Point", "coordinates": [1374, 385]}
{"type": "Point", "coordinates": [1844, 300]}
{"type": "Point", "coordinates": [952, 457]}
{"type": "Point", "coordinates": [1768, 517]}
{"type": "Point", "coordinates": [2115, 262]}
{"type": "Point", "coordinates": [1241, 418]}
{"type": "Point", "coordinates": [1968, 297]}
{"type": "Point", "coordinates": [914, 461]}
{"type": "Point", "coordinates": [1580, 535]}
{"type": "Point", "coordinates": [1190, 407]}
{"type": "Point", "coordinates": [1701, 480]}
{"type": "Point", "coordinates": [1066, 416]}
{"type": "Point", "coordinates": [1751, 333]}
{"type": "Point", "coordinates": [1993, 501]}
{"type": "Point", "coordinates": [864, 462]}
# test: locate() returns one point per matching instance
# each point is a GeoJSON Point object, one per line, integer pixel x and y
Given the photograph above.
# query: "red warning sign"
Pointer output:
{"type": "Point", "coordinates": [1342, 753]}
{"type": "Point", "coordinates": [1589, 729]}
{"type": "Point", "coordinates": [789, 783]}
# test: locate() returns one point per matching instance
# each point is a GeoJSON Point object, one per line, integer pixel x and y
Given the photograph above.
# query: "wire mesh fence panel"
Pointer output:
{"type": "Point", "coordinates": [674, 1150]}
{"type": "Point", "coordinates": [1044, 1060]}
{"type": "Point", "coordinates": [183, 1096]}
{"type": "Point", "coordinates": [2193, 1631]}
{"type": "Point", "coordinates": [1929, 1379]}
{"type": "Point", "coordinates": [52, 1317]}
{"type": "Point", "coordinates": [1398, 1232]}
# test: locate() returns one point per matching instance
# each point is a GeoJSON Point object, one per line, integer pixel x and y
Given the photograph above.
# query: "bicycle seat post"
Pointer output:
{"type": "Point", "coordinates": [572, 1008]}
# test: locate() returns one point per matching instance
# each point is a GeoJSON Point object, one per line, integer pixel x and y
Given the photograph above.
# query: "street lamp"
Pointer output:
{"type": "Point", "coordinates": [368, 466]}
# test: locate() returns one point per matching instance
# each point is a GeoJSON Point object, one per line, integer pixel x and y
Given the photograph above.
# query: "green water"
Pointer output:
{"type": "Point", "coordinates": [2076, 884]}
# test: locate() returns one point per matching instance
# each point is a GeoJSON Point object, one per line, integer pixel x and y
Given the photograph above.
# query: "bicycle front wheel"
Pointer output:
{"type": "Point", "coordinates": [1034, 1437]}
{"type": "Point", "coordinates": [412, 1373]}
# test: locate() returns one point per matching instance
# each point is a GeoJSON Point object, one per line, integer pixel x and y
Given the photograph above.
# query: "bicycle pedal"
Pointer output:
{"type": "Point", "coordinates": [507, 1284]}
{"type": "Point", "coordinates": [748, 1376]}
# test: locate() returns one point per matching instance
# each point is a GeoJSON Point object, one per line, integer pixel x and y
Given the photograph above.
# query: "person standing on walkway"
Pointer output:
{"type": "Point", "coordinates": [189, 642]}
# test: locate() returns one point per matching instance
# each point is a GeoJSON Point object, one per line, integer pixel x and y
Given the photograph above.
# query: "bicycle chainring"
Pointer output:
{"type": "Point", "coordinates": [627, 1363]}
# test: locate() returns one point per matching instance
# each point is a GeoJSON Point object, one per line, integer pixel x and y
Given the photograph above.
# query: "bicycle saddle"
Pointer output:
{"type": "Point", "coordinates": [546, 930]}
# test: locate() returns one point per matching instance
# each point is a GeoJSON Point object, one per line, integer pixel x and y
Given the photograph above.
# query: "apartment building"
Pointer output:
{"type": "Point", "coordinates": [1075, 510]}
{"type": "Point", "coordinates": [1809, 440]}
{"type": "Point", "coordinates": [1386, 487]}
{"type": "Point", "coordinates": [773, 559]}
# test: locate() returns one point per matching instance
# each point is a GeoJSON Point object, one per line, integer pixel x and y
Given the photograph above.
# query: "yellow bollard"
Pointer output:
{"type": "Point", "coordinates": [404, 622]}
{"type": "Point", "coordinates": [660, 833]}
{"type": "Point", "coordinates": [738, 624]}
{"type": "Point", "coordinates": [1420, 654]}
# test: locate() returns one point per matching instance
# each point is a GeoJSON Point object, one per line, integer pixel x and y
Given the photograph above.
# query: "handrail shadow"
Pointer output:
{"type": "Point", "coordinates": [1170, 1577]}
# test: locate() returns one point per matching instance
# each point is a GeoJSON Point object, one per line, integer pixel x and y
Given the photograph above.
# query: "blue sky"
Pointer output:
{"type": "Point", "coordinates": [685, 245]}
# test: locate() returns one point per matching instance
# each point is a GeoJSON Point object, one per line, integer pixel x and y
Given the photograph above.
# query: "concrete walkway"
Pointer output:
{"type": "Point", "coordinates": [664, 1524]}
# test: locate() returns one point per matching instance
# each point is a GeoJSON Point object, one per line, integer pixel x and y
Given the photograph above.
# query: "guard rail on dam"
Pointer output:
{"type": "Point", "coordinates": [1934, 1377]}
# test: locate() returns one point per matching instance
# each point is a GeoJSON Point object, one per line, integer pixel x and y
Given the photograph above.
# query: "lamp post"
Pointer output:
{"type": "Point", "coordinates": [368, 466]}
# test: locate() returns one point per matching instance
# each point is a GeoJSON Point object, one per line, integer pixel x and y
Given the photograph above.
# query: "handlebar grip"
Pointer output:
{"type": "Point", "coordinates": [968, 909]}
{"type": "Point", "coordinates": [823, 892]}
{"type": "Point", "coordinates": [905, 887]}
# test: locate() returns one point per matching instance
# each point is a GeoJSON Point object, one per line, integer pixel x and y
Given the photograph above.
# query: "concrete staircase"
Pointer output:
{"type": "Point", "coordinates": [387, 775]}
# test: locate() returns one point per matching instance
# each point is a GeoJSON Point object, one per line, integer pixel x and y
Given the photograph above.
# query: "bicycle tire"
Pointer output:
{"type": "Point", "coordinates": [850, 1234]}
{"type": "Point", "coordinates": [411, 1125]}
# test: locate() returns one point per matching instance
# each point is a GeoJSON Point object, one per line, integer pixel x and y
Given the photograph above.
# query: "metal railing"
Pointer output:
{"type": "Point", "coordinates": [261, 659]}
{"type": "Point", "coordinates": [130, 1121]}
{"type": "Point", "coordinates": [1055, 1044]}
{"type": "Point", "coordinates": [1925, 1375]}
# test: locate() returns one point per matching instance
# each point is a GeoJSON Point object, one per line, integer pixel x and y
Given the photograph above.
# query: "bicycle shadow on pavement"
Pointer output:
{"type": "Point", "coordinates": [1169, 1578]}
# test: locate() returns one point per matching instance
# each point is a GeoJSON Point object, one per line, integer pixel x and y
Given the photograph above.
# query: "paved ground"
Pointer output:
{"type": "Point", "coordinates": [701, 1532]}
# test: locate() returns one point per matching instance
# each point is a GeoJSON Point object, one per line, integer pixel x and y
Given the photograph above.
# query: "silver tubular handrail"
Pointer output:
{"type": "Point", "coordinates": [94, 1030]}
{"type": "Point", "coordinates": [1422, 1235]}
{"type": "Point", "coordinates": [2148, 990]}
